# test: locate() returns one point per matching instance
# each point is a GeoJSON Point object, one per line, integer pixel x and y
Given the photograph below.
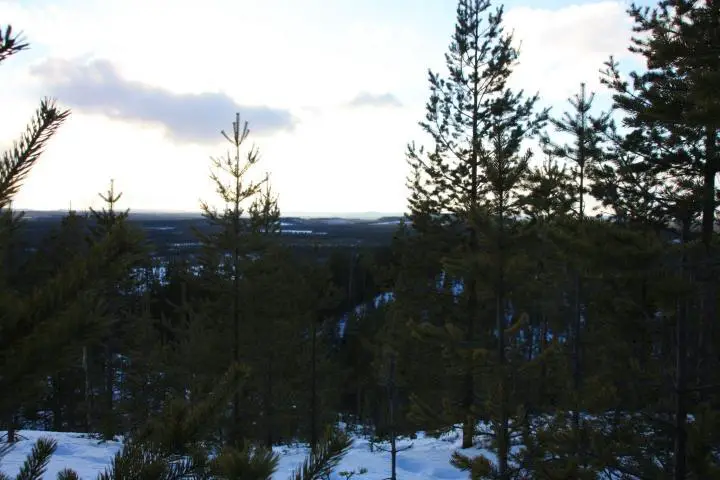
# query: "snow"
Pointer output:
{"type": "Point", "coordinates": [335, 221]}
{"type": "Point", "coordinates": [302, 232]}
{"type": "Point", "coordinates": [428, 458]}
{"type": "Point", "coordinates": [88, 457]}
{"type": "Point", "coordinates": [161, 228]}
{"type": "Point", "coordinates": [389, 222]}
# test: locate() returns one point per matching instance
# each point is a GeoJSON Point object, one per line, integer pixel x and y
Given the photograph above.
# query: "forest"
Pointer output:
{"type": "Point", "coordinates": [557, 305]}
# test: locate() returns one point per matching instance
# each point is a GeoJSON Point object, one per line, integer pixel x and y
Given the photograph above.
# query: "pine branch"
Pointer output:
{"type": "Point", "coordinates": [51, 318]}
{"type": "Point", "coordinates": [326, 458]}
{"type": "Point", "coordinates": [185, 467]}
{"type": "Point", "coordinates": [181, 425]}
{"type": "Point", "coordinates": [250, 462]}
{"type": "Point", "coordinates": [479, 467]}
{"type": "Point", "coordinates": [10, 44]}
{"type": "Point", "coordinates": [68, 474]}
{"type": "Point", "coordinates": [36, 463]}
{"type": "Point", "coordinates": [397, 449]}
{"type": "Point", "coordinates": [134, 461]}
{"type": "Point", "coordinates": [16, 163]}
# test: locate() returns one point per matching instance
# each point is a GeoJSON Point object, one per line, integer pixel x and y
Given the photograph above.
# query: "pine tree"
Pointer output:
{"type": "Point", "coordinates": [472, 176]}
{"type": "Point", "coordinates": [622, 182]}
{"type": "Point", "coordinates": [119, 295]}
{"type": "Point", "coordinates": [36, 462]}
{"type": "Point", "coordinates": [226, 248]}
{"type": "Point", "coordinates": [19, 356]}
{"type": "Point", "coordinates": [587, 137]}
{"type": "Point", "coordinates": [57, 251]}
{"type": "Point", "coordinates": [239, 235]}
{"type": "Point", "coordinates": [583, 154]}
{"type": "Point", "coordinates": [387, 361]}
{"type": "Point", "coordinates": [674, 108]}
{"type": "Point", "coordinates": [323, 371]}
{"type": "Point", "coordinates": [550, 191]}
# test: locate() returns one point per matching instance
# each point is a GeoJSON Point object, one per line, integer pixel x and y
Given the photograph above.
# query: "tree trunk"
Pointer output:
{"type": "Point", "coordinates": [392, 404]}
{"type": "Point", "coordinates": [11, 429]}
{"type": "Point", "coordinates": [709, 172]}
{"type": "Point", "coordinates": [709, 296]}
{"type": "Point", "coordinates": [577, 320]}
{"type": "Point", "coordinates": [57, 410]}
{"type": "Point", "coordinates": [472, 302]}
{"type": "Point", "coordinates": [503, 434]}
{"type": "Point", "coordinates": [680, 395]}
{"type": "Point", "coordinates": [236, 435]}
{"type": "Point", "coordinates": [576, 360]}
{"type": "Point", "coordinates": [109, 427]}
{"type": "Point", "coordinates": [680, 465]}
{"type": "Point", "coordinates": [269, 411]}
{"type": "Point", "coordinates": [88, 390]}
{"type": "Point", "coordinates": [313, 389]}
{"type": "Point", "coordinates": [469, 400]}
{"type": "Point", "coordinates": [543, 365]}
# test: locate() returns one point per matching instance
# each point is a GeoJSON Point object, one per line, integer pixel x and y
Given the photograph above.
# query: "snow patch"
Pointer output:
{"type": "Point", "coordinates": [428, 458]}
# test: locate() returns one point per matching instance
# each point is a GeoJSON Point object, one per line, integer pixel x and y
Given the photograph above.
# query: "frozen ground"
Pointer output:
{"type": "Point", "coordinates": [428, 458]}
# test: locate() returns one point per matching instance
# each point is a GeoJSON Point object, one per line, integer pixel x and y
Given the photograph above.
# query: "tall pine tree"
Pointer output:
{"type": "Point", "coordinates": [466, 187]}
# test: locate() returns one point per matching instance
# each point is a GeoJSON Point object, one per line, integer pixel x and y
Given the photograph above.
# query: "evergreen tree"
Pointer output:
{"type": "Point", "coordinates": [227, 249]}
{"type": "Point", "coordinates": [550, 192]}
{"type": "Point", "coordinates": [58, 251]}
{"type": "Point", "coordinates": [586, 148]}
{"type": "Point", "coordinates": [120, 298]}
{"type": "Point", "coordinates": [672, 110]}
{"type": "Point", "coordinates": [323, 371]}
{"type": "Point", "coordinates": [27, 312]}
{"type": "Point", "coordinates": [469, 184]}
{"type": "Point", "coordinates": [583, 154]}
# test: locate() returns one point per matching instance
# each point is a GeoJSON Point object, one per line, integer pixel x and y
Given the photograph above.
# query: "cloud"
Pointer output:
{"type": "Point", "coordinates": [559, 48]}
{"type": "Point", "coordinates": [97, 87]}
{"type": "Point", "coordinates": [365, 99]}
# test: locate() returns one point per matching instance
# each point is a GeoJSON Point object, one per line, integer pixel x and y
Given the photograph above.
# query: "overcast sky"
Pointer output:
{"type": "Point", "coordinates": [333, 90]}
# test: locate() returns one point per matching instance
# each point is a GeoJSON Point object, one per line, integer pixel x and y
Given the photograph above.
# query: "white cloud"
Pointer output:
{"type": "Point", "coordinates": [366, 99]}
{"type": "Point", "coordinates": [562, 48]}
{"type": "Point", "coordinates": [97, 87]}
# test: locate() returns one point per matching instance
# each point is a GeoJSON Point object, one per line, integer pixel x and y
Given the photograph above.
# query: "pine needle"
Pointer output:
{"type": "Point", "coordinates": [326, 457]}
{"type": "Point", "coordinates": [67, 474]}
{"type": "Point", "coordinates": [16, 163]}
{"type": "Point", "coordinates": [10, 44]}
{"type": "Point", "coordinates": [36, 463]}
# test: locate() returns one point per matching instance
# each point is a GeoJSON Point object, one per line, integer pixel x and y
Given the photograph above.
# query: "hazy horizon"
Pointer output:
{"type": "Point", "coordinates": [344, 215]}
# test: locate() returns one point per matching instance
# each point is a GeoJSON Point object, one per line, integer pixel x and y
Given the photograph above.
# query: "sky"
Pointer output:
{"type": "Point", "coordinates": [333, 91]}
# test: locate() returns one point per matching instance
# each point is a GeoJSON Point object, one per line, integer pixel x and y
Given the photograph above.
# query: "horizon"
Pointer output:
{"type": "Point", "coordinates": [291, 214]}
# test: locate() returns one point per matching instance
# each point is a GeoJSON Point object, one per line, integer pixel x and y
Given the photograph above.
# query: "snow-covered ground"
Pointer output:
{"type": "Point", "coordinates": [428, 458]}
{"type": "Point", "coordinates": [88, 457]}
